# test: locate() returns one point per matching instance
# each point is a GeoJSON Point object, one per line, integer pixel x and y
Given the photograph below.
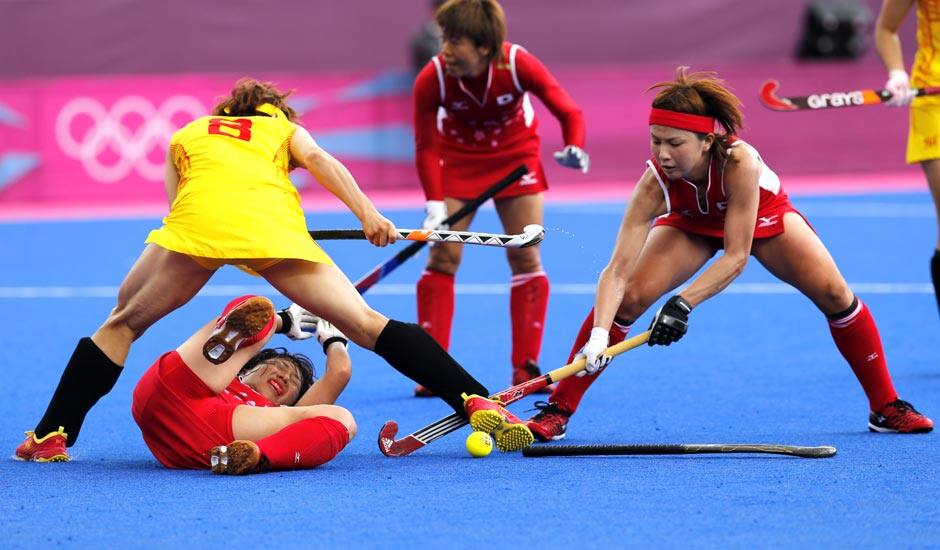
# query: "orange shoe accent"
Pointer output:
{"type": "Point", "coordinates": [49, 448]}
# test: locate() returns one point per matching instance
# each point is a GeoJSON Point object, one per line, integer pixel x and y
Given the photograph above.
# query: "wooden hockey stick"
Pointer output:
{"type": "Point", "coordinates": [410, 443]}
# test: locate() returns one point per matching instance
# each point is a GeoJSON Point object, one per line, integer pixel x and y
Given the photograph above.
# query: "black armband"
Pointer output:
{"type": "Point", "coordinates": [286, 323]}
{"type": "Point", "coordinates": [333, 339]}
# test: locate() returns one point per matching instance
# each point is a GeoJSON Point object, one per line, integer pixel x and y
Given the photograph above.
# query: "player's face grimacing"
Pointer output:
{"type": "Point", "coordinates": [681, 153]}
{"type": "Point", "coordinates": [462, 57]}
{"type": "Point", "coordinates": [277, 380]}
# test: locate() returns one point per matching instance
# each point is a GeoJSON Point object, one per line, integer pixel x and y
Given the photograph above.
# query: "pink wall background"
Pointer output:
{"type": "Point", "coordinates": [86, 112]}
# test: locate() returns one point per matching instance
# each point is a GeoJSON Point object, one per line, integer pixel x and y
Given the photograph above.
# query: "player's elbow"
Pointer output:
{"type": "Point", "coordinates": [616, 270]}
{"type": "Point", "coordinates": [736, 261]}
{"type": "Point", "coordinates": [342, 371]}
{"type": "Point", "coordinates": [316, 159]}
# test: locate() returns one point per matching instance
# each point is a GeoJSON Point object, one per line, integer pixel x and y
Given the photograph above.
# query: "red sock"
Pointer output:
{"type": "Point", "coordinates": [436, 305]}
{"type": "Point", "coordinates": [569, 392]}
{"type": "Point", "coordinates": [857, 338]}
{"type": "Point", "coordinates": [528, 300]}
{"type": "Point", "coordinates": [304, 444]}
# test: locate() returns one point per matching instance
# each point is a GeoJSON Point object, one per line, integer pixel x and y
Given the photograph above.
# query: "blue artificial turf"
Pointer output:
{"type": "Point", "coordinates": [758, 365]}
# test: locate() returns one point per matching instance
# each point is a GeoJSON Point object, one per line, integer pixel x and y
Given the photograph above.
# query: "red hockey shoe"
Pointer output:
{"type": "Point", "coordinates": [237, 458]}
{"type": "Point", "coordinates": [551, 422]}
{"type": "Point", "coordinates": [899, 417]}
{"type": "Point", "coordinates": [50, 448]}
{"type": "Point", "coordinates": [488, 415]}
{"type": "Point", "coordinates": [244, 321]}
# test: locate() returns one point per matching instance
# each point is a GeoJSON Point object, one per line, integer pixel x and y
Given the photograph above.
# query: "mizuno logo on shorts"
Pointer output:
{"type": "Point", "coordinates": [767, 221]}
{"type": "Point", "coordinates": [529, 179]}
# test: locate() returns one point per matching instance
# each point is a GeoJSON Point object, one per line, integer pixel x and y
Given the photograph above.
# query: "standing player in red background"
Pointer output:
{"type": "Point", "coordinates": [474, 123]}
{"type": "Point", "coordinates": [705, 191]}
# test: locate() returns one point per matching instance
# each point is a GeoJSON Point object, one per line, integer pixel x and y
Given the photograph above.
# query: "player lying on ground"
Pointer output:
{"type": "Point", "coordinates": [231, 202]}
{"type": "Point", "coordinates": [705, 191]}
{"type": "Point", "coordinates": [483, 83]}
{"type": "Point", "coordinates": [253, 411]}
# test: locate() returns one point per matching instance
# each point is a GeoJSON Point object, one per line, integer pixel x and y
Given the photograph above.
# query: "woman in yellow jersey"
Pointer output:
{"type": "Point", "coordinates": [922, 140]}
{"type": "Point", "coordinates": [232, 203]}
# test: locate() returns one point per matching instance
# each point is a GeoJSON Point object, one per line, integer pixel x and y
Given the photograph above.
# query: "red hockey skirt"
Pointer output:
{"type": "Point", "coordinates": [769, 224]}
{"type": "Point", "coordinates": [466, 175]}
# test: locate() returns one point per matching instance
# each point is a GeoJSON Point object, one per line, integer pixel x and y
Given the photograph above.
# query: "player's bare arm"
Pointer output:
{"type": "Point", "coordinates": [327, 389]}
{"type": "Point", "coordinates": [742, 172]}
{"type": "Point", "coordinates": [887, 42]}
{"type": "Point", "coordinates": [333, 175]}
{"type": "Point", "coordinates": [646, 203]}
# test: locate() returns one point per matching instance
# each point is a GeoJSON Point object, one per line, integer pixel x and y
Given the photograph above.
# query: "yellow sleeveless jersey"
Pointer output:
{"type": "Point", "coordinates": [234, 199]}
{"type": "Point", "coordinates": [923, 142]}
{"type": "Point", "coordinates": [926, 69]}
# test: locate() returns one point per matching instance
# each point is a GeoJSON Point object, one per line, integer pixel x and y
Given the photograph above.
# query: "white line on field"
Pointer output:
{"type": "Point", "coordinates": [400, 289]}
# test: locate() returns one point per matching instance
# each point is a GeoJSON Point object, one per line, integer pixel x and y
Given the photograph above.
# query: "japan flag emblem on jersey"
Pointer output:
{"type": "Point", "coordinates": [504, 99]}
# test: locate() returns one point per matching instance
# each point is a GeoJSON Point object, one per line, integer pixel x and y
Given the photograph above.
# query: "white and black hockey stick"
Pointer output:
{"type": "Point", "coordinates": [531, 235]}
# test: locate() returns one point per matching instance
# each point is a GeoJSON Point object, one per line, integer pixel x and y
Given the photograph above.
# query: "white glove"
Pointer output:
{"type": "Point", "coordinates": [436, 213]}
{"type": "Point", "coordinates": [297, 323]}
{"type": "Point", "coordinates": [574, 157]}
{"type": "Point", "coordinates": [594, 358]}
{"type": "Point", "coordinates": [328, 334]}
{"type": "Point", "coordinates": [899, 84]}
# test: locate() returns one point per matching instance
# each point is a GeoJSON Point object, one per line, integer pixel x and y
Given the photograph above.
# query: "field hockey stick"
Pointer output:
{"type": "Point", "coordinates": [829, 100]}
{"type": "Point", "coordinates": [684, 449]}
{"type": "Point", "coordinates": [380, 271]}
{"type": "Point", "coordinates": [531, 235]}
{"type": "Point", "coordinates": [410, 443]}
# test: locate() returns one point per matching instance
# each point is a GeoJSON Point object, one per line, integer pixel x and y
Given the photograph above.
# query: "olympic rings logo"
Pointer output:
{"type": "Point", "coordinates": [87, 131]}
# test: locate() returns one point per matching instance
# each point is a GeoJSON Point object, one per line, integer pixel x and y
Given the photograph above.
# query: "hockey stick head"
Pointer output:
{"type": "Point", "coordinates": [387, 437]}
{"type": "Point", "coordinates": [532, 235]}
{"type": "Point", "coordinates": [768, 96]}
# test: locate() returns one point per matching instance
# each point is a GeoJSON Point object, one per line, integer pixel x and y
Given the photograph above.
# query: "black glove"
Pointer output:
{"type": "Point", "coordinates": [670, 322]}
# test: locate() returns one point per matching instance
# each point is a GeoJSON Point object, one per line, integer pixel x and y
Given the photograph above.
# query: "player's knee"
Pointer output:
{"type": "Point", "coordinates": [445, 258]}
{"type": "Point", "coordinates": [362, 327]}
{"type": "Point", "coordinates": [524, 260]}
{"type": "Point", "coordinates": [635, 302]}
{"type": "Point", "coordinates": [344, 417]}
{"type": "Point", "coordinates": [837, 296]}
{"type": "Point", "coordinates": [351, 428]}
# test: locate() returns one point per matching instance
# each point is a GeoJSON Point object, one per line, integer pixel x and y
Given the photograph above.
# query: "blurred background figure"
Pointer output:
{"type": "Point", "coordinates": [426, 43]}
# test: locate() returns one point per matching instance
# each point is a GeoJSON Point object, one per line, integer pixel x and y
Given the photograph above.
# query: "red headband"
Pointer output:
{"type": "Point", "coordinates": [683, 121]}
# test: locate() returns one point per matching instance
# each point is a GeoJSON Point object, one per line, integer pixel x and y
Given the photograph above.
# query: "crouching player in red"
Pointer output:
{"type": "Point", "coordinates": [705, 191]}
{"type": "Point", "coordinates": [474, 123]}
{"type": "Point", "coordinates": [219, 401]}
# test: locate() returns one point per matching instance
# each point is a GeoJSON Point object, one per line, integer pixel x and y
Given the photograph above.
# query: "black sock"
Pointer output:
{"type": "Point", "coordinates": [414, 353]}
{"type": "Point", "coordinates": [935, 275]}
{"type": "Point", "coordinates": [89, 375]}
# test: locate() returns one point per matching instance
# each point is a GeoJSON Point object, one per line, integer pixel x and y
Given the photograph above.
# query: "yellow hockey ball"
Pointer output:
{"type": "Point", "coordinates": [479, 444]}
